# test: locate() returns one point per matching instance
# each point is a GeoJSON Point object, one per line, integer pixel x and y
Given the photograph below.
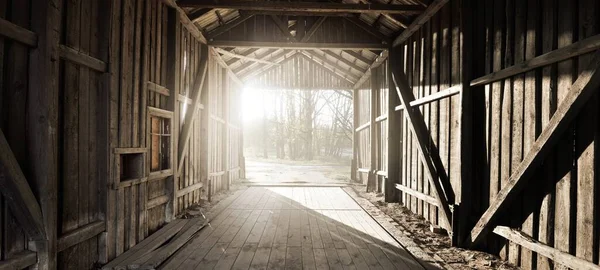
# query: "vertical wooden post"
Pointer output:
{"type": "Point", "coordinates": [466, 128]}
{"type": "Point", "coordinates": [371, 182]}
{"type": "Point", "coordinates": [205, 133]}
{"type": "Point", "coordinates": [355, 143]}
{"type": "Point", "coordinates": [173, 83]}
{"type": "Point", "coordinates": [42, 123]}
{"type": "Point", "coordinates": [226, 148]}
{"type": "Point", "coordinates": [394, 136]}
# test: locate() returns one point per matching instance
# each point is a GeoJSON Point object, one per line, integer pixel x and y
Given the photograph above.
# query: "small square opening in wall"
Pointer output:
{"type": "Point", "coordinates": [131, 166]}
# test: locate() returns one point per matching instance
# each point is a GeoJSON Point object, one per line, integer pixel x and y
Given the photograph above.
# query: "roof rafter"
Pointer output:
{"type": "Point", "coordinates": [229, 25]}
{"type": "Point", "coordinates": [324, 59]}
{"type": "Point", "coordinates": [331, 72]}
{"type": "Point", "coordinates": [344, 60]}
{"type": "Point", "coordinates": [368, 28]}
{"type": "Point", "coordinates": [263, 56]}
{"type": "Point", "coordinates": [224, 52]}
{"type": "Point", "coordinates": [305, 6]}
{"type": "Point", "coordinates": [280, 61]}
{"type": "Point", "coordinates": [246, 53]}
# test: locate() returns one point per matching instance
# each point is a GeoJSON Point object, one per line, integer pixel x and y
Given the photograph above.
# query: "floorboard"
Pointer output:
{"type": "Point", "coordinates": [292, 228]}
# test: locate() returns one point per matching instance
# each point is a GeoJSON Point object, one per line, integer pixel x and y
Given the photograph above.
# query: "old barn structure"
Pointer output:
{"type": "Point", "coordinates": [116, 116]}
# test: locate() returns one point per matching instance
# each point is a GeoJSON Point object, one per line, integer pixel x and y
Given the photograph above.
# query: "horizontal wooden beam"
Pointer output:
{"type": "Point", "coordinates": [369, 29]}
{"type": "Point", "coordinates": [314, 7]}
{"type": "Point", "coordinates": [189, 189]}
{"type": "Point", "coordinates": [578, 48]}
{"type": "Point", "coordinates": [20, 260]}
{"type": "Point", "coordinates": [82, 59]}
{"type": "Point", "coordinates": [17, 33]}
{"type": "Point", "coordinates": [431, 10]}
{"type": "Point", "coordinates": [81, 234]}
{"type": "Point", "coordinates": [160, 200]}
{"type": "Point", "coordinates": [18, 195]}
{"type": "Point", "coordinates": [433, 97]}
{"type": "Point", "coordinates": [297, 13]}
{"type": "Point", "coordinates": [579, 93]}
{"type": "Point", "coordinates": [296, 45]}
{"type": "Point", "coordinates": [363, 126]}
{"type": "Point", "coordinates": [158, 89]}
{"type": "Point", "coordinates": [559, 257]}
{"type": "Point", "coordinates": [421, 196]}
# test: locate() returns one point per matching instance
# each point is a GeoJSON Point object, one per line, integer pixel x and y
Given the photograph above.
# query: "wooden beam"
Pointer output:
{"type": "Point", "coordinates": [419, 21]}
{"type": "Point", "coordinates": [20, 260]}
{"type": "Point", "coordinates": [17, 33]}
{"type": "Point", "coordinates": [325, 68]}
{"type": "Point", "coordinates": [158, 89]}
{"type": "Point", "coordinates": [283, 26]}
{"type": "Point", "coordinates": [280, 61]}
{"type": "Point", "coordinates": [442, 189]}
{"type": "Point", "coordinates": [296, 45]}
{"type": "Point", "coordinates": [76, 57]}
{"type": "Point", "coordinates": [418, 195]}
{"type": "Point", "coordinates": [559, 257]}
{"type": "Point", "coordinates": [359, 56]}
{"type": "Point", "coordinates": [314, 7]}
{"type": "Point", "coordinates": [265, 55]}
{"type": "Point", "coordinates": [81, 234]}
{"type": "Point", "coordinates": [433, 97]}
{"type": "Point", "coordinates": [578, 94]}
{"type": "Point", "coordinates": [374, 139]}
{"type": "Point", "coordinates": [298, 13]}
{"type": "Point", "coordinates": [185, 20]}
{"type": "Point", "coordinates": [195, 15]}
{"type": "Point", "coordinates": [18, 195]}
{"type": "Point", "coordinates": [378, 61]}
{"type": "Point", "coordinates": [335, 63]}
{"type": "Point", "coordinates": [224, 52]}
{"type": "Point", "coordinates": [345, 61]}
{"type": "Point", "coordinates": [578, 48]}
{"type": "Point", "coordinates": [313, 29]}
{"type": "Point", "coordinates": [246, 53]}
{"type": "Point", "coordinates": [222, 63]}
{"type": "Point", "coordinates": [335, 67]}
{"type": "Point", "coordinates": [190, 114]}
{"type": "Point", "coordinates": [394, 130]}
{"type": "Point", "coordinates": [369, 29]}
{"type": "Point", "coordinates": [228, 26]}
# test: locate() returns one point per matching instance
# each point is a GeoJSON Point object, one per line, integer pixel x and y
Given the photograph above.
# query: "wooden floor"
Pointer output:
{"type": "Point", "coordinates": [293, 228]}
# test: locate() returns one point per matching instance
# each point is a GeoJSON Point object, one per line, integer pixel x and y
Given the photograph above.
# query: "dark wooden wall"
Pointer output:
{"type": "Point", "coordinates": [14, 57]}
{"type": "Point", "coordinates": [114, 69]}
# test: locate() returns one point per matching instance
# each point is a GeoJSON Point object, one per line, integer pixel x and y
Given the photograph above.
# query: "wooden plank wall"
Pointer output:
{"type": "Point", "coordinates": [81, 185]}
{"type": "Point", "coordinates": [14, 73]}
{"type": "Point", "coordinates": [382, 86]}
{"type": "Point", "coordinates": [293, 72]}
{"type": "Point", "coordinates": [431, 59]}
{"type": "Point", "coordinates": [363, 134]}
{"type": "Point", "coordinates": [560, 206]}
{"type": "Point", "coordinates": [191, 53]}
{"type": "Point", "coordinates": [262, 28]}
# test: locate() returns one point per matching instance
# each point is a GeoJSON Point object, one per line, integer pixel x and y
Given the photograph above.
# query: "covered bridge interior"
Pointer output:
{"type": "Point", "coordinates": [118, 117]}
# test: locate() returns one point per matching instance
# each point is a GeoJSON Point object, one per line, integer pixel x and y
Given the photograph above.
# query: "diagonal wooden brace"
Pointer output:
{"type": "Point", "coordinates": [18, 194]}
{"type": "Point", "coordinates": [419, 129]}
{"type": "Point", "coordinates": [583, 88]}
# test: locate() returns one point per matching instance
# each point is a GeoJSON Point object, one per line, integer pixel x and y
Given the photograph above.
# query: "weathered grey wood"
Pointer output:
{"type": "Point", "coordinates": [283, 26]}
{"type": "Point", "coordinates": [224, 52]}
{"type": "Point", "coordinates": [305, 6]}
{"type": "Point", "coordinates": [158, 89]}
{"type": "Point", "coordinates": [394, 131]}
{"type": "Point", "coordinates": [160, 200]}
{"type": "Point", "coordinates": [344, 60]}
{"type": "Point", "coordinates": [561, 258]}
{"type": "Point", "coordinates": [296, 45]}
{"type": "Point", "coordinates": [579, 93]}
{"type": "Point", "coordinates": [331, 72]}
{"type": "Point", "coordinates": [82, 59]}
{"type": "Point", "coordinates": [434, 97]}
{"type": "Point", "coordinates": [17, 33]}
{"type": "Point", "coordinates": [185, 20]}
{"type": "Point", "coordinates": [578, 48]}
{"type": "Point", "coordinates": [313, 29]}
{"type": "Point", "coordinates": [375, 63]}
{"type": "Point", "coordinates": [418, 128]}
{"type": "Point", "coordinates": [228, 26]}
{"type": "Point", "coordinates": [418, 195]}
{"type": "Point", "coordinates": [358, 56]}
{"type": "Point", "coordinates": [19, 261]}
{"type": "Point", "coordinates": [369, 29]}
{"type": "Point", "coordinates": [373, 128]}
{"type": "Point", "coordinates": [190, 115]}
{"type": "Point", "coordinates": [324, 59]}
{"type": "Point", "coordinates": [189, 189]}
{"type": "Point", "coordinates": [431, 10]}
{"type": "Point", "coordinates": [18, 194]}
{"type": "Point", "coordinates": [80, 234]}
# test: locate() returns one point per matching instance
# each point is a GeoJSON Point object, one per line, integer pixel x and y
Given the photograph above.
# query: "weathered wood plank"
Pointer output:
{"type": "Point", "coordinates": [80, 235]}
{"type": "Point", "coordinates": [579, 93]}
{"type": "Point", "coordinates": [17, 33]}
